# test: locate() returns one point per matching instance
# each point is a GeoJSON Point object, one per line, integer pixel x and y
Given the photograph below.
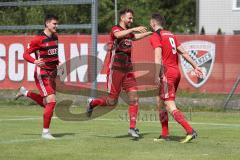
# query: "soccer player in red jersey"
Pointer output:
{"type": "Point", "coordinates": [167, 75]}
{"type": "Point", "coordinates": [45, 48]}
{"type": "Point", "coordinates": [120, 74]}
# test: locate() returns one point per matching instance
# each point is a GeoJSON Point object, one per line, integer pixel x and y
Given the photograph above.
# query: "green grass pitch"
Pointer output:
{"type": "Point", "coordinates": [105, 138]}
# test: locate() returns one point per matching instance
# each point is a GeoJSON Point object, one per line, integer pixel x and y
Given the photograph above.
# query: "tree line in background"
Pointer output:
{"type": "Point", "coordinates": [179, 14]}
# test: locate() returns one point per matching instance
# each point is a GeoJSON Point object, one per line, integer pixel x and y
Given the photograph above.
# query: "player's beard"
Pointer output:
{"type": "Point", "coordinates": [128, 25]}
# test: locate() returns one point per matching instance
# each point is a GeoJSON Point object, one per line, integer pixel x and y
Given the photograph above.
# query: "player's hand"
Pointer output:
{"type": "Point", "coordinates": [150, 32]}
{"type": "Point", "coordinates": [39, 62]}
{"type": "Point", "coordinates": [140, 29]}
{"type": "Point", "coordinates": [199, 73]}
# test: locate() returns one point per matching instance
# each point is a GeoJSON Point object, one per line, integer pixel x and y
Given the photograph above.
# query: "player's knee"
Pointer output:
{"type": "Point", "coordinates": [44, 102]}
{"type": "Point", "coordinates": [112, 102]}
{"type": "Point", "coordinates": [50, 98]}
{"type": "Point", "coordinates": [170, 108]}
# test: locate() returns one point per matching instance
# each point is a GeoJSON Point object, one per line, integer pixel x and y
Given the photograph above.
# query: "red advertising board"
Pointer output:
{"type": "Point", "coordinates": [217, 55]}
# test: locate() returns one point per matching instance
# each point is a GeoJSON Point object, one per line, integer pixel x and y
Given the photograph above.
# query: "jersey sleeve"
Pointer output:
{"type": "Point", "coordinates": [155, 41]}
{"type": "Point", "coordinates": [115, 29]}
{"type": "Point", "coordinates": [33, 47]}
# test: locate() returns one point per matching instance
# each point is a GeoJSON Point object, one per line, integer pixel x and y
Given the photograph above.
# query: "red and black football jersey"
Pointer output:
{"type": "Point", "coordinates": [122, 44]}
{"type": "Point", "coordinates": [120, 51]}
{"type": "Point", "coordinates": [45, 48]}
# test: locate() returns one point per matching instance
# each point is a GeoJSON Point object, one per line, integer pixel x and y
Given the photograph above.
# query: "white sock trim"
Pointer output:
{"type": "Point", "coordinates": [45, 130]}
{"type": "Point", "coordinates": [25, 93]}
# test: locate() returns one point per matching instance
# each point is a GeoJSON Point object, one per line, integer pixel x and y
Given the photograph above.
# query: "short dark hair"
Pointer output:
{"type": "Point", "coordinates": [50, 17]}
{"type": "Point", "coordinates": [124, 11]}
{"type": "Point", "coordinates": [159, 18]}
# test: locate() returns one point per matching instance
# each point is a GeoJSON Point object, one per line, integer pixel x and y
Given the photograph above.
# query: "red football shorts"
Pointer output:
{"type": "Point", "coordinates": [169, 85]}
{"type": "Point", "coordinates": [117, 80]}
{"type": "Point", "coordinates": [45, 81]}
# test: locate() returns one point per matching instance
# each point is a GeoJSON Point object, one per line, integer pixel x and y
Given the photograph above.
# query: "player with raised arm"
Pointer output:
{"type": "Point", "coordinates": [45, 48]}
{"type": "Point", "coordinates": [167, 76]}
{"type": "Point", "coordinates": [120, 74]}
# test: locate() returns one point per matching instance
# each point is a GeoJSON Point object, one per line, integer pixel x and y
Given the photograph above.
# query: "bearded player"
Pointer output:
{"type": "Point", "coordinates": [45, 48]}
{"type": "Point", "coordinates": [120, 74]}
{"type": "Point", "coordinates": [167, 76]}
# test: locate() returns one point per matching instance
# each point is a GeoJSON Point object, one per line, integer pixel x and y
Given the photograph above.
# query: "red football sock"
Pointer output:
{"type": "Point", "coordinates": [163, 117]}
{"type": "Point", "coordinates": [98, 102]}
{"type": "Point", "coordinates": [36, 97]}
{"type": "Point", "coordinates": [179, 117]}
{"type": "Point", "coordinates": [47, 115]}
{"type": "Point", "coordinates": [133, 111]}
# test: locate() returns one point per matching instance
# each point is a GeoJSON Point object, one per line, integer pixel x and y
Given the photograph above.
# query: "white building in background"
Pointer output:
{"type": "Point", "coordinates": [215, 14]}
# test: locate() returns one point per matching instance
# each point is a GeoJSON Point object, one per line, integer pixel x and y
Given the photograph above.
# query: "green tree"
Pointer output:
{"type": "Point", "coordinates": [179, 15]}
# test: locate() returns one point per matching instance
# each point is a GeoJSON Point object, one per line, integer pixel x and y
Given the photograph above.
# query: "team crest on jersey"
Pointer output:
{"type": "Point", "coordinates": [125, 44]}
{"type": "Point", "coordinates": [203, 53]}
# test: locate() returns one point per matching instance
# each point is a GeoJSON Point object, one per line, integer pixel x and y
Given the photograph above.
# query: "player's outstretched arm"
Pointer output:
{"type": "Point", "coordinates": [185, 55]}
{"type": "Point", "coordinates": [121, 34]}
{"type": "Point", "coordinates": [141, 35]}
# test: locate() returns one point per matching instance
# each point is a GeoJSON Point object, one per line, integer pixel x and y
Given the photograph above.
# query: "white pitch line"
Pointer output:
{"type": "Point", "coordinates": [105, 119]}
{"type": "Point", "coordinates": [200, 123]}
{"type": "Point", "coordinates": [22, 119]}
{"type": "Point", "coordinates": [19, 119]}
{"type": "Point", "coordinates": [100, 119]}
{"type": "Point", "coordinates": [18, 141]}
{"type": "Point", "coordinates": [29, 140]}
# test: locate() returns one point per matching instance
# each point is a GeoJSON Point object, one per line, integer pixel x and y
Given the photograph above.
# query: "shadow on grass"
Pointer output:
{"type": "Point", "coordinates": [171, 138]}
{"type": "Point", "coordinates": [176, 138]}
{"type": "Point", "coordinates": [63, 134]}
{"type": "Point", "coordinates": [124, 136]}
{"type": "Point", "coordinates": [63, 112]}
{"type": "Point", "coordinates": [54, 135]}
